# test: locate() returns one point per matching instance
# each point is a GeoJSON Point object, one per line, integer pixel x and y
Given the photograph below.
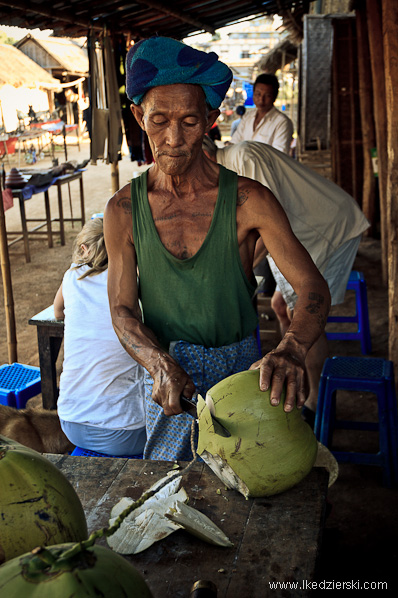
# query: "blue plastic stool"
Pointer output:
{"type": "Point", "coordinates": [368, 375]}
{"type": "Point", "coordinates": [18, 384]}
{"type": "Point", "coordinates": [357, 283]}
{"type": "Point", "coordinates": [81, 452]}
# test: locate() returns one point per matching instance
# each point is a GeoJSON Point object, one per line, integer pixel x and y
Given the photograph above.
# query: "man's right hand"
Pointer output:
{"type": "Point", "coordinates": [169, 383]}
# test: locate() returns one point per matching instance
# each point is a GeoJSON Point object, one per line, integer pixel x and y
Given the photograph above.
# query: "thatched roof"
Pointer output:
{"type": "Point", "coordinates": [66, 53]}
{"type": "Point", "coordinates": [20, 71]}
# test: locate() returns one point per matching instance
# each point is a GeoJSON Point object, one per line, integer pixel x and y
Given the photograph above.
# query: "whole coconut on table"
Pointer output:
{"type": "Point", "coordinates": [71, 571]}
{"type": "Point", "coordinates": [40, 511]}
{"type": "Point", "coordinates": [269, 450]}
{"type": "Point", "coordinates": [38, 505]}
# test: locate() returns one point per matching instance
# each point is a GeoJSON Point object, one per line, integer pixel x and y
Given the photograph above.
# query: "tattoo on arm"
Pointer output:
{"type": "Point", "coordinates": [125, 204]}
{"type": "Point", "coordinates": [314, 308]}
{"type": "Point", "coordinates": [243, 196]}
{"type": "Point", "coordinates": [128, 344]}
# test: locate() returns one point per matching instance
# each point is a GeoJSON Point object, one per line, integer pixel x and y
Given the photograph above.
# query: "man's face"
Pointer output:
{"type": "Point", "coordinates": [175, 119]}
{"type": "Point", "coordinates": [263, 97]}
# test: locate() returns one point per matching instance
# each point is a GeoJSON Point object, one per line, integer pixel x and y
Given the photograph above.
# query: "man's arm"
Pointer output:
{"type": "Point", "coordinates": [260, 253]}
{"type": "Point", "coordinates": [170, 380]}
{"type": "Point", "coordinates": [283, 135]}
{"type": "Point", "coordinates": [262, 212]}
{"type": "Point", "coordinates": [238, 134]}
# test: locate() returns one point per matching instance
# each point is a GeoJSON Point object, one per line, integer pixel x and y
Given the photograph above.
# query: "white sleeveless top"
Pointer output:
{"type": "Point", "coordinates": [100, 385]}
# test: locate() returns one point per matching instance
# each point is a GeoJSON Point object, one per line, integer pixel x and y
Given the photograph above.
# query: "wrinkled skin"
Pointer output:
{"type": "Point", "coordinates": [182, 194]}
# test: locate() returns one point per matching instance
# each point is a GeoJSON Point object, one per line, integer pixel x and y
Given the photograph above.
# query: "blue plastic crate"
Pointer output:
{"type": "Point", "coordinates": [81, 452]}
{"type": "Point", "coordinates": [18, 383]}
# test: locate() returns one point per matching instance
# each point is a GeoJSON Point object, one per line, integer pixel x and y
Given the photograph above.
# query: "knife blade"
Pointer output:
{"type": "Point", "coordinates": [189, 406]}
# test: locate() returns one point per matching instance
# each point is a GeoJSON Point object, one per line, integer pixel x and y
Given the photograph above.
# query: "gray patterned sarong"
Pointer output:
{"type": "Point", "coordinates": [168, 438]}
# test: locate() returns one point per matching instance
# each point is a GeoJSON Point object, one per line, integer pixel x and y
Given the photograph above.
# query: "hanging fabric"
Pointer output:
{"type": "Point", "coordinates": [99, 110]}
{"type": "Point", "coordinates": [113, 103]}
{"type": "Point", "coordinates": [136, 138]}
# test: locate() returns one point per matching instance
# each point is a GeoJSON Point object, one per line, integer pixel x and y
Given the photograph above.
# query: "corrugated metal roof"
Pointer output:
{"type": "Point", "coordinates": [138, 19]}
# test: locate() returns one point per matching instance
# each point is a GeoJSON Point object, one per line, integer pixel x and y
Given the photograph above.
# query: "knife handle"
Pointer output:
{"type": "Point", "coordinates": [189, 406]}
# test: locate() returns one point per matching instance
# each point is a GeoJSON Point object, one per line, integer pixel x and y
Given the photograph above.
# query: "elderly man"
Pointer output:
{"type": "Point", "coordinates": [325, 219]}
{"type": "Point", "coordinates": [190, 226]}
{"type": "Point", "coordinates": [266, 123]}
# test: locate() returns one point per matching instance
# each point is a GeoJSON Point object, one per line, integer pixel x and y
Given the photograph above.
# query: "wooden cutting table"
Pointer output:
{"type": "Point", "coordinates": [276, 539]}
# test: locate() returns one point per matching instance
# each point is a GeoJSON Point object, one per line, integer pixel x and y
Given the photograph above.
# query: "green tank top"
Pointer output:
{"type": "Point", "coordinates": [205, 299]}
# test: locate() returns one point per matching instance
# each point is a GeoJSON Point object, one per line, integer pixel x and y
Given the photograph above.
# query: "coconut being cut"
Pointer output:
{"type": "Point", "coordinates": [269, 450]}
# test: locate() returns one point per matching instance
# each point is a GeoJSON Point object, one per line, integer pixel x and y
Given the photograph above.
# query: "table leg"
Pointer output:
{"type": "Point", "coordinates": [48, 218]}
{"type": "Point", "coordinates": [49, 347]}
{"type": "Point", "coordinates": [82, 200]}
{"type": "Point", "coordinates": [61, 215]}
{"type": "Point", "coordinates": [24, 227]}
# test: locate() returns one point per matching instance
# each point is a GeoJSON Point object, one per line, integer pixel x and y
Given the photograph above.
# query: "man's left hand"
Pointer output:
{"type": "Point", "coordinates": [279, 367]}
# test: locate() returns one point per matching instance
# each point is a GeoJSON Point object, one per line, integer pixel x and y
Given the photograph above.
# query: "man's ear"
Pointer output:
{"type": "Point", "coordinates": [211, 118]}
{"type": "Point", "coordinates": [138, 115]}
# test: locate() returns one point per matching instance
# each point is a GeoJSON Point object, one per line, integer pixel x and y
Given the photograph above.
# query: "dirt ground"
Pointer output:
{"type": "Point", "coordinates": [359, 541]}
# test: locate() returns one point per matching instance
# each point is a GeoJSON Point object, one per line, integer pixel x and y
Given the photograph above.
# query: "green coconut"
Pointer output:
{"type": "Point", "coordinates": [71, 571]}
{"type": "Point", "coordinates": [38, 505]}
{"type": "Point", "coordinates": [269, 450]}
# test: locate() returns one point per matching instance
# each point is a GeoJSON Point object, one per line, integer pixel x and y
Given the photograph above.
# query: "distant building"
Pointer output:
{"type": "Point", "coordinates": [66, 60]}
{"type": "Point", "coordinates": [63, 58]}
{"type": "Point", "coordinates": [22, 84]}
{"type": "Point", "coordinates": [241, 47]}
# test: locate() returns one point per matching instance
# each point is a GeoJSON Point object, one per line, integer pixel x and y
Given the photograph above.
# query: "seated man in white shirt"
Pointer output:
{"type": "Point", "coordinates": [266, 123]}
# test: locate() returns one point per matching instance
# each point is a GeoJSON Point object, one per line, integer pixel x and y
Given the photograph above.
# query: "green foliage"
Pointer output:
{"type": "Point", "coordinates": [5, 39]}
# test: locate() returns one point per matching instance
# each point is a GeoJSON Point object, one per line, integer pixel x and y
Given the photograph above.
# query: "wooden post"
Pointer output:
{"type": "Point", "coordinates": [367, 119]}
{"type": "Point", "coordinates": [356, 193]}
{"type": "Point", "coordinates": [80, 111]}
{"type": "Point", "coordinates": [390, 37]}
{"type": "Point", "coordinates": [7, 286]}
{"type": "Point", "coordinates": [115, 176]}
{"type": "Point", "coordinates": [374, 18]}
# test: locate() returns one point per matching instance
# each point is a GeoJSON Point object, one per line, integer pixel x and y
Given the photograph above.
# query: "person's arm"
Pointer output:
{"type": "Point", "coordinates": [170, 380]}
{"type": "Point", "coordinates": [238, 135]}
{"type": "Point", "coordinates": [262, 212]}
{"type": "Point", "coordinates": [282, 137]}
{"type": "Point", "coordinates": [260, 253]}
{"type": "Point", "coordinates": [59, 305]}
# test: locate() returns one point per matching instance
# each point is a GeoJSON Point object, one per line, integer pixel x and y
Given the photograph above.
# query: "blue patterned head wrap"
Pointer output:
{"type": "Point", "coordinates": [166, 61]}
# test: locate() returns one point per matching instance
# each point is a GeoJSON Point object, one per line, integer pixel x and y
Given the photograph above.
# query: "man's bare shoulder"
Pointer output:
{"type": "Point", "coordinates": [250, 190]}
{"type": "Point", "coordinates": [118, 217]}
{"type": "Point", "coordinates": [120, 203]}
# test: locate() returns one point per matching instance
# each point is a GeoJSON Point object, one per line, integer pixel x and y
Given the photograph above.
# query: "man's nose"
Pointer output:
{"type": "Point", "coordinates": [174, 134]}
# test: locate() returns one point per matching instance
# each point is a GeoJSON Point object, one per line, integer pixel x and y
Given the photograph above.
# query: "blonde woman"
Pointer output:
{"type": "Point", "coordinates": [101, 399]}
